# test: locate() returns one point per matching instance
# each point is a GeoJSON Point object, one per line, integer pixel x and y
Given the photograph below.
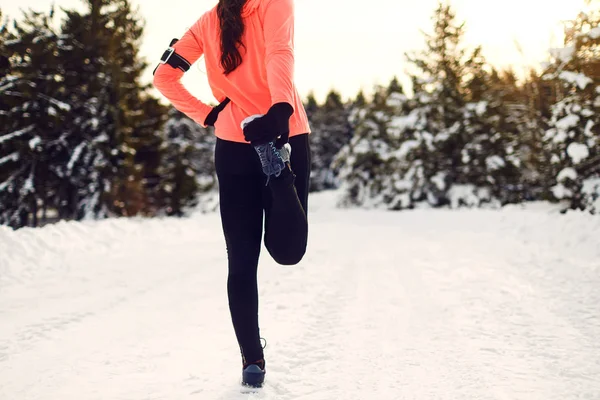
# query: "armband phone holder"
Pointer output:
{"type": "Point", "coordinates": [173, 59]}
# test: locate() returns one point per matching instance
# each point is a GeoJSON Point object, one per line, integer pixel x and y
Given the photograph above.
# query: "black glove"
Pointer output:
{"type": "Point", "coordinates": [211, 118]}
{"type": "Point", "coordinates": [274, 124]}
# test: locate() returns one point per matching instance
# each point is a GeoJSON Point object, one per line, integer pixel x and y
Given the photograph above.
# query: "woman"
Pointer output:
{"type": "Point", "coordinates": [248, 48]}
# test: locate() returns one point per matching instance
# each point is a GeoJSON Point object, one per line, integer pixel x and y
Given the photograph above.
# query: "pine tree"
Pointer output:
{"type": "Point", "coordinates": [311, 106]}
{"type": "Point", "coordinates": [4, 36]}
{"type": "Point", "coordinates": [8, 154]}
{"type": "Point", "coordinates": [438, 135]}
{"type": "Point", "coordinates": [456, 141]}
{"type": "Point", "coordinates": [33, 126]}
{"type": "Point", "coordinates": [490, 159]}
{"type": "Point", "coordinates": [417, 175]}
{"type": "Point", "coordinates": [142, 115]}
{"type": "Point", "coordinates": [527, 112]}
{"type": "Point", "coordinates": [187, 169]}
{"type": "Point", "coordinates": [79, 133]}
{"type": "Point", "coordinates": [332, 130]}
{"type": "Point", "coordinates": [573, 138]}
{"type": "Point", "coordinates": [103, 66]}
{"type": "Point", "coordinates": [369, 163]}
{"type": "Point", "coordinates": [356, 110]}
{"type": "Point", "coordinates": [148, 140]}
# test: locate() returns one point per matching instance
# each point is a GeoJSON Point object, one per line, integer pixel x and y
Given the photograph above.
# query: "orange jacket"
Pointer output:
{"type": "Point", "coordinates": [264, 77]}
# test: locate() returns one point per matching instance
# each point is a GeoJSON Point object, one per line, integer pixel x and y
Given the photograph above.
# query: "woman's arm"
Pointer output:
{"type": "Point", "coordinates": [279, 41]}
{"type": "Point", "coordinates": [168, 79]}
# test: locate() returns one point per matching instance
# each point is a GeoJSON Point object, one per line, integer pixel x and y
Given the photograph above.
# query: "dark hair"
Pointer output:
{"type": "Point", "coordinates": [232, 29]}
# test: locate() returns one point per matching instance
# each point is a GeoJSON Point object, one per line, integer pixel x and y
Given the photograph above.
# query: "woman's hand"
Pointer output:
{"type": "Point", "coordinates": [275, 123]}
{"type": "Point", "coordinates": [212, 116]}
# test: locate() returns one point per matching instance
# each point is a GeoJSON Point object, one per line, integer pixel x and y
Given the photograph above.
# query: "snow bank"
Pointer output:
{"type": "Point", "coordinates": [35, 253]}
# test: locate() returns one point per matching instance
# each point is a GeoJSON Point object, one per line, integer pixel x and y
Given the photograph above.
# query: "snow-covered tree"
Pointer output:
{"type": "Point", "coordinates": [453, 143]}
{"type": "Point", "coordinates": [80, 133]}
{"type": "Point", "coordinates": [437, 135]}
{"type": "Point", "coordinates": [490, 158]}
{"type": "Point", "coordinates": [526, 111]}
{"type": "Point", "coordinates": [147, 140]}
{"type": "Point", "coordinates": [187, 172]}
{"type": "Point", "coordinates": [573, 138]}
{"type": "Point", "coordinates": [456, 140]}
{"type": "Point", "coordinates": [332, 131]}
{"type": "Point", "coordinates": [33, 120]}
{"type": "Point", "coordinates": [420, 175]}
{"type": "Point", "coordinates": [369, 163]}
{"type": "Point", "coordinates": [102, 67]}
{"type": "Point", "coordinates": [311, 106]}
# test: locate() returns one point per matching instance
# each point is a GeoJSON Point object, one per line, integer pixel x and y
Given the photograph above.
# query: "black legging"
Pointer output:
{"type": "Point", "coordinates": [243, 198]}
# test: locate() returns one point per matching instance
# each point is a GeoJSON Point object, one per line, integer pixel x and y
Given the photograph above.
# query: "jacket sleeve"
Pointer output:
{"type": "Point", "coordinates": [279, 42]}
{"type": "Point", "coordinates": [168, 79]}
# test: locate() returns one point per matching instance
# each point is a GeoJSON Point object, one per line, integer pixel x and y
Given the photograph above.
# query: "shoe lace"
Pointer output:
{"type": "Point", "coordinates": [270, 159]}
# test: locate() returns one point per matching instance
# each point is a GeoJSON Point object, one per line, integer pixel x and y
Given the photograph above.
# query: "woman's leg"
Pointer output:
{"type": "Point", "coordinates": [286, 207]}
{"type": "Point", "coordinates": [300, 160]}
{"type": "Point", "coordinates": [240, 190]}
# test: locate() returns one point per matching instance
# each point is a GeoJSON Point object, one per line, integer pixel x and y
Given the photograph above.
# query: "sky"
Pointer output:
{"type": "Point", "coordinates": [352, 45]}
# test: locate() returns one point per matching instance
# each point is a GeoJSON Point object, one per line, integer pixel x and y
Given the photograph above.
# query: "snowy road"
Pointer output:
{"type": "Point", "coordinates": [414, 305]}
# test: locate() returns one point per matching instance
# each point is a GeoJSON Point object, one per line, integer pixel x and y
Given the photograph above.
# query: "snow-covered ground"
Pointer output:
{"type": "Point", "coordinates": [420, 305]}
